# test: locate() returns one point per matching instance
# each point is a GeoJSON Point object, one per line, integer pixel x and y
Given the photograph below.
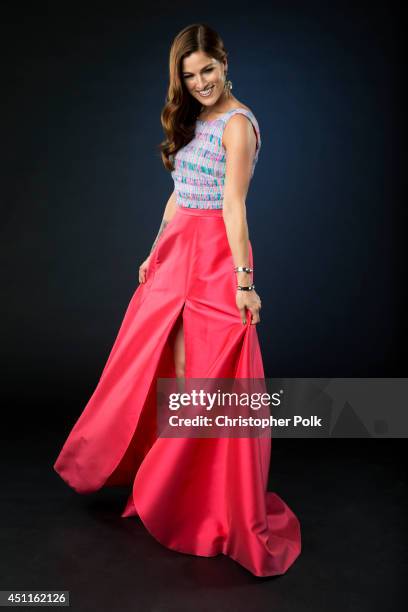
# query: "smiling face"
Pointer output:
{"type": "Point", "coordinates": [204, 77]}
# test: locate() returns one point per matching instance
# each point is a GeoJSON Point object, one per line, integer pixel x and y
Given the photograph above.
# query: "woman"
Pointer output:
{"type": "Point", "coordinates": [193, 315]}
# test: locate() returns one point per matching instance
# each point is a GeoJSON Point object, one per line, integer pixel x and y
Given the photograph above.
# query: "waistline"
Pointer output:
{"type": "Point", "coordinates": [201, 212]}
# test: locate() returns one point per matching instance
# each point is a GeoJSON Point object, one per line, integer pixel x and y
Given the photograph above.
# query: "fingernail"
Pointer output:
{"type": "Point", "coordinates": [244, 321]}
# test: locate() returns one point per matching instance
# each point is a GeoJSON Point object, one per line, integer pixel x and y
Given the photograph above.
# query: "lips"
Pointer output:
{"type": "Point", "coordinates": [206, 93]}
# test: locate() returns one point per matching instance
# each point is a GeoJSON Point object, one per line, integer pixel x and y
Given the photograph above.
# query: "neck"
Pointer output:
{"type": "Point", "coordinates": [219, 106]}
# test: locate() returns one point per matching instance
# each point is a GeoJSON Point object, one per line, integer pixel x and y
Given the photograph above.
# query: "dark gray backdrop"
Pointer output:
{"type": "Point", "coordinates": [83, 192]}
{"type": "Point", "coordinates": [84, 188]}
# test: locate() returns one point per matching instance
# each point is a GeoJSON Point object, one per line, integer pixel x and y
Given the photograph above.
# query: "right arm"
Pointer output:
{"type": "Point", "coordinates": [168, 214]}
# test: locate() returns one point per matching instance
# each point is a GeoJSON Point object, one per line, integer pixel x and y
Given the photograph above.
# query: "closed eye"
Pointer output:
{"type": "Point", "coordinates": [188, 76]}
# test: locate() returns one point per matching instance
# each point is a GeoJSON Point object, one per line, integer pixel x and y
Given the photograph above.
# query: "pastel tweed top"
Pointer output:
{"type": "Point", "coordinates": [199, 166]}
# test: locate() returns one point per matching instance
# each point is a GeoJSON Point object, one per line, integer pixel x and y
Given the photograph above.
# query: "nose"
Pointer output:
{"type": "Point", "coordinates": [200, 83]}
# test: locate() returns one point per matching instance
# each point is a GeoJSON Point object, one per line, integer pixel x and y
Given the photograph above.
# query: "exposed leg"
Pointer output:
{"type": "Point", "coordinates": [179, 352]}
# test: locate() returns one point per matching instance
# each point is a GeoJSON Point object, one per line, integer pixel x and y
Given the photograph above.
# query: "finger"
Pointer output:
{"type": "Point", "coordinates": [255, 315]}
{"type": "Point", "coordinates": [242, 312]}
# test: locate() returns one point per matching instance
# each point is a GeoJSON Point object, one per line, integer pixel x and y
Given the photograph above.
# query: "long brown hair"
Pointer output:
{"type": "Point", "coordinates": [181, 110]}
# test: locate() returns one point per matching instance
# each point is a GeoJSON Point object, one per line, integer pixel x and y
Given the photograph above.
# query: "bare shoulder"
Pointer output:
{"type": "Point", "coordinates": [237, 127]}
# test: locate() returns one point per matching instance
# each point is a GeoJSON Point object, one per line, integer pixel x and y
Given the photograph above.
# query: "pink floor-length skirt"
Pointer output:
{"type": "Point", "coordinates": [202, 496]}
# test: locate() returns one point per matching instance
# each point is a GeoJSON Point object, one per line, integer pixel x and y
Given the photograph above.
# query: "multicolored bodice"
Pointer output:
{"type": "Point", "coordinates": [199, 166]}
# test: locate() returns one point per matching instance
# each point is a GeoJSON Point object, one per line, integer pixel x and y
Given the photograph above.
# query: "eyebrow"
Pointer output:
{"type": "Point", "coordinates": [207, 66]}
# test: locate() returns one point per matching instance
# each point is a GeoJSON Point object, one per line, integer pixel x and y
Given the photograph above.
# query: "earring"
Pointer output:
{"type": "Point", "coordinates": [227, 85]}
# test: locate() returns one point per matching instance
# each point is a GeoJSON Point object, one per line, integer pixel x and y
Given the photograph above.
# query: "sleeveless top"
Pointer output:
{"type": "Point", "coordinates": [199, 166]}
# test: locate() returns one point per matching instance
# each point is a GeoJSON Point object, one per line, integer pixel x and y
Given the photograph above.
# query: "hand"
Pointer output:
{"type": "Point", "coordinates": [249, 300]}
{"type": "Point", "coordinates": [143, 270]}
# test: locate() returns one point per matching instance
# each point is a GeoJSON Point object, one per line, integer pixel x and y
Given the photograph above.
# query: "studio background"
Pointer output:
{"type": "Point", "coordinates": [85, 188]}
{"type": "Point", "coordinates": [84, 191]}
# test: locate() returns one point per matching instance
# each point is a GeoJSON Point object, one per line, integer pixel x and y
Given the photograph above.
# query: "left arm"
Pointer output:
{"type": "Point", "coordinates": [240, 142]}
